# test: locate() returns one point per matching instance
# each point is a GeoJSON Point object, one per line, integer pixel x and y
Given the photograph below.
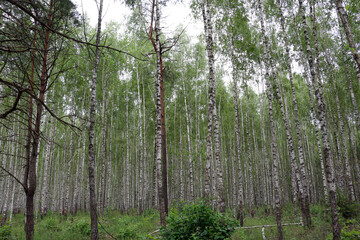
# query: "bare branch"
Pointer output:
{"type": "Point", "coordinates": [10, 84]}
{"type": "Point", "coordinates": [15, 3]}
{"type": "Point", "coordinates": [14, 105]}
{"type": "Point", "coordinates": [16, 179]}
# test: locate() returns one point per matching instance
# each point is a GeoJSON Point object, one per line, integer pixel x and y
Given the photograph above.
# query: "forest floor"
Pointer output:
{"type": "Point", "coordinates": [113, 225]}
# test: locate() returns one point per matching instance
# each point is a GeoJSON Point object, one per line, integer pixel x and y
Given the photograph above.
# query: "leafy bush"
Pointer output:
{"type": "Point", "coordinates": [197, 221]}
{"type": "Point", "coordinates": [347, 208]}
{"type": "Point", "coordinates": [127, 233]}
{"type": "Point", "coordinates": [50, 224]}
{"type": "Point", "coordinates": [82, 227]}
{"type": "Point", "coordinates": [5, 232]}
{"type": "Point", "coordinates": [135, 227]}
{"type": "Point", "coordinates": [347, 235]}
{"type": "Point", "coordinates": [350, 235]}
{"type": "Point", "coordinates": [350, 230]}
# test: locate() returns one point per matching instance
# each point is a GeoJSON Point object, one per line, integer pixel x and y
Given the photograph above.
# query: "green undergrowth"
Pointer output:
{"type": "Point", "coordinates": [55, 227]}
{"type": "Point", "coordinates": [198, 221]}
{"type": "Point", "coordinates": [321, 223]}
{"type": "Point", "coordinates": [131, 226]}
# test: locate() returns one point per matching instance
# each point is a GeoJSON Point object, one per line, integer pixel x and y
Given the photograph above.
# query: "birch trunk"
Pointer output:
{"type": "Point", "coordinates": [188, 133]}
{"type": "Point", "coordinates": [212, 105]}
{"type": "Point", "coordinates": [343, 148]}
{"type": "Point", "coordinates": [318, 140]}
{"type": "Point", "coordinates": [110, 182]}
{"type": "Point", "coordinates": [9, 180]}
{"type": "Point", "coordinates": [16, 172]}
{"type": "Point", "coordinates": [349, 78]}
{"type": "Point", "coordinates": [181, 165]}
{"type": "Point", "coordinates": [68, 175]}
{"type": "Point", "coordinates": [275, 156]}
{"type": "Point", "coordinates": [91, 153]}
{"type": "Point", "coordinates": [240, 213]}
{"type": "Point", "coordinates": [303, 183]}
{"type": "Point", "coordinates": [141, 144]}
{"type": "Point", "coordinates": [14, 185]}
{"type": "Point", "coordinates": [160, 140]}
{"type": "Point", "coordinates": [345, 21]}
{"type": "Point", "coordinates": [323, 126]}
{"type": "Point", "coordinates": [103, 149]}
{"type": "Point", "coordinates": [127, 162]}
{"type": "Point", "coordinates": [45, 191]}
{"type": "Point", "coordinates": [79, 170]}
{"type": "Point", "coordinates": [250, 167]}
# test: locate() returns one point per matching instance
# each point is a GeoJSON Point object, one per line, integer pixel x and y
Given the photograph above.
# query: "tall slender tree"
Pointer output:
{"type": "Point", "coordinates": [321, 109]}
{"type": "Point", "coordinates": [92, 147]}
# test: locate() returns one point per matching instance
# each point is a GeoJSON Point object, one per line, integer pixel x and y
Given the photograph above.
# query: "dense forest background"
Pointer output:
{"type": "Point", "coordinates": [260, 110]}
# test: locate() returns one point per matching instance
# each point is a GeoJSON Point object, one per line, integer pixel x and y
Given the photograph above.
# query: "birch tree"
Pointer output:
{"type": "Point", "coordinates": [91, 150]}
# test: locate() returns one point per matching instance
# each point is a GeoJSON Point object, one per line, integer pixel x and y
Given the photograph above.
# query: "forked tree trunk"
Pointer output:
{"type": "Point", "coordinates": [29, 215]}
{"type": "Point", "coordinates": [30, 172]}
{"type": "Point", "coordinates": [160, 137]}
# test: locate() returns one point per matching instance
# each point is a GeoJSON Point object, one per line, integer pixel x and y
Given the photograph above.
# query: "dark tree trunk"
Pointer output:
{"type": "Point", "coordinates": [91, 153]}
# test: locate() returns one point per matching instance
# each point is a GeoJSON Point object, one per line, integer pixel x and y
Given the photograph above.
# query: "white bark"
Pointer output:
{"type": "Point", "coordinates": [323, 126]}
{"type": "Point", "coordinates": [47, 159]}
{"type": "Point", "coordinates": [275, 157]}
{"type": "Point", "coordinates": [91, 154]}
{"type": "Point", "coordinates": [141, 144]}
{"type": "Point", "coordinates": [212, 104]}
{"type": "Point", "coordinates": [188, 133]}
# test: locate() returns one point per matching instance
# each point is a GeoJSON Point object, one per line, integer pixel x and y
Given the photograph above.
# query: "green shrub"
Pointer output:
{"type": "Point", "coordinates": [347, 208]}
{"type": "Point", "coordinates": [128, 232]}
{"type": "Point", "coordinates": [82, 227]}
{"type": "Point", "coordinates": [347, 235]}
{"type": "Point", "coordinates": [50, 224]}
{"type": "Point", "coordinates": [197, 221]}
{"type": "Point", "coordinates": [239, 234]}
{"type": "Point", "coordinates": [5, 232]}
{"type": "Point", "coordinates": [350, 235]}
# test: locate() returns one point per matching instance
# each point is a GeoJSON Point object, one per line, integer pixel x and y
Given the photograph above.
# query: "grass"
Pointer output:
{"type": "Point", "coordinates": [55, 227]}
{"type": "Point", "coordinates": [321, 225]}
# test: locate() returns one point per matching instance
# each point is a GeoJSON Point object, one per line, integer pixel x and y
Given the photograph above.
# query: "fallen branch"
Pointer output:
{"type": "Point", "coordinates": [158, 230]}
{"type": "Point", "coordinates": [264, 226]}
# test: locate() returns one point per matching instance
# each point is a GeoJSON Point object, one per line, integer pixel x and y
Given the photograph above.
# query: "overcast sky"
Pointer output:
{"type": "Point", "coordinates": [172, 16]}
{"type": "Point", "coordinates": [115, 10]}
